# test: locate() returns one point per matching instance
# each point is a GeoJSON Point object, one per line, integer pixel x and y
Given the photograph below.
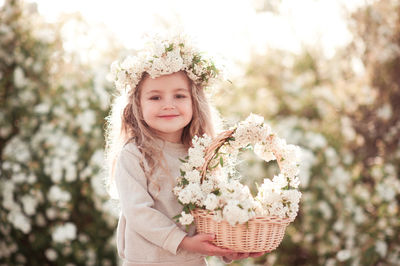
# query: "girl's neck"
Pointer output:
{"type": "Point", "coordinates": [178, 149]}
{"type": "Point", "coordinates": [173, 138]}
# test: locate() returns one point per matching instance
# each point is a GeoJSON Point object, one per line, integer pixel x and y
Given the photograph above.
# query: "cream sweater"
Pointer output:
{"type": "Point", "coordinates": [146, 233]}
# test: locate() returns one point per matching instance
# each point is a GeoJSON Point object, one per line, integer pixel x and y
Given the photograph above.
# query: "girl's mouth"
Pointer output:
{"type": "Point", "coordinates": [167, 116]}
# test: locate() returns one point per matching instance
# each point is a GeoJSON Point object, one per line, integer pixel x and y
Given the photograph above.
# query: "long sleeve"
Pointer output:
{"type": "Point", "coordinates": [137, 205]}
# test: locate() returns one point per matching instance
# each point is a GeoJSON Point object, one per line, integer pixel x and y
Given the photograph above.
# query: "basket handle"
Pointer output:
{"type": "Point", "coordinates": [217, 142]}
{"type": "Point", "coordinates": [211, 150]}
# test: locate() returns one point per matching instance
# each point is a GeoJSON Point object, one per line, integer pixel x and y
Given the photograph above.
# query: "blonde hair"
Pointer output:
{"type": "Point", "coordinates": [125, 124]}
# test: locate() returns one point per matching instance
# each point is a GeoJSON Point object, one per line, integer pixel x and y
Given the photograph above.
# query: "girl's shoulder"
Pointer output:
{"type": "Point", "coordinates": [132, 148]}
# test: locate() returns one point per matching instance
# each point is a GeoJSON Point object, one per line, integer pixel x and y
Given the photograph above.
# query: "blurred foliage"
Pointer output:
{"type": "Point", "coordinates": [53, 102]}
{"type": "Point", "coordinates": [344, 113]}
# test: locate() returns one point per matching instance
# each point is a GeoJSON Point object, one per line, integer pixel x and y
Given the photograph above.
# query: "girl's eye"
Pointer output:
{"type": "Point", "coordinates": [154, 98]}
{"type": "Point", "coordinates": [180, 96]}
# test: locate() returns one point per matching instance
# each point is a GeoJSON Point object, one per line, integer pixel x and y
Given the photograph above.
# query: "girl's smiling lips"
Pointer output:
{"type": "Point", "coordinates": [167, 116]}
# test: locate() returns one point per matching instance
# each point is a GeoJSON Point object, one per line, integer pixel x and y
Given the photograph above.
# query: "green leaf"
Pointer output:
{"type": "Point", "coordinates": [212, 167]}
{"type": "Point", "coordinates": [183, 161]}
{"type": "Point", "coordinates": [221, 161]}
{"type": "Point", "coordinates": [183, 173]}
{"type": "Point", "coordinates": [192, 206]}
{"type": "Point", "coordinates": [177, 216]}
{"type": "Point", "coordinates": [169, 48]}
{"type": "Point", "coordinates": [216, 192]}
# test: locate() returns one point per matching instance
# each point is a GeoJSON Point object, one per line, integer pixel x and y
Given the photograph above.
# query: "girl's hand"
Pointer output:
{"type": "Point", "coordinates": [257, 254]}
{"type": "Point", "coordinates": [239, 256]}
{"type": "Point", "coordinates": [200, 243]}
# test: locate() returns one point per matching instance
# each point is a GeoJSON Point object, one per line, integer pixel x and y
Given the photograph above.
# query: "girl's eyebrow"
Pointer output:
{"type": "Point", "coordinates": [160, 91]}
{"type": "Point", "coordinates": [182, 90]}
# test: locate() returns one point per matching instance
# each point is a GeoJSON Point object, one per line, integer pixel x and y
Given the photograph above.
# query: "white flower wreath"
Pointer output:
{"type": "Point", "coordinates": [215, 186]}
{"type": "Point", "coordinates": [166, 55]}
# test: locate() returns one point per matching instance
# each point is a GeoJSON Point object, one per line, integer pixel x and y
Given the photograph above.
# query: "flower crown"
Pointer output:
{"type": "Point", "coordinates": [163, 56]}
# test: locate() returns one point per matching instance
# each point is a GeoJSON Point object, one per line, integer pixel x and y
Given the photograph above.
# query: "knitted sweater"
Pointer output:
{"type": "Point", "coordinates": [146, 233]}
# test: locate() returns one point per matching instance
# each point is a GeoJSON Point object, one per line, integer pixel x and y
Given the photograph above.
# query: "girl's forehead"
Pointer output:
{"type": "Point", "coordinates": [173, 81]}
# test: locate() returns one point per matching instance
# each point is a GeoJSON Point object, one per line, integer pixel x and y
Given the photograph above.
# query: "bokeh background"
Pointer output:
{"type": "Point", "coordinates": [324, 74]}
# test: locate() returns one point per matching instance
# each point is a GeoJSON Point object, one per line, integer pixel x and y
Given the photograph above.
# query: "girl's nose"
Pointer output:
{"type": "Point", "coordinates": [168, 107]}
{"type": "Point", "coordinates": [169, 104]}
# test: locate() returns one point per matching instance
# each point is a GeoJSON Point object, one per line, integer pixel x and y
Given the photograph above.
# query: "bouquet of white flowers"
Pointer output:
{"type": "Point", "coordinates": [212, 195]}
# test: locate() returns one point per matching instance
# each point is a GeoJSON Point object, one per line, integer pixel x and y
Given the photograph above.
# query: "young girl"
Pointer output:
{"type": "Point", "coordinates": [161, 106]}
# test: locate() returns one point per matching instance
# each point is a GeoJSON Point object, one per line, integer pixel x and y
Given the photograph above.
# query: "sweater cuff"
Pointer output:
{"type": "Point", "coordinates": [173, 240]}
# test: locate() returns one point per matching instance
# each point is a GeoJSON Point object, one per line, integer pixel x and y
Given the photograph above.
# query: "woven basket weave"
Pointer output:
{"type": "Point", "coordinates": [260, 234]}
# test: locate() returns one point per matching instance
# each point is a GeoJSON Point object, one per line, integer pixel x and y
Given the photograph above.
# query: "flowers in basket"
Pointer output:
{"type": "Point", "coordinates": [209, 181]}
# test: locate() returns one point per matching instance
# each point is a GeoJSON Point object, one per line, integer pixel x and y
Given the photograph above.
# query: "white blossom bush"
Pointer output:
{"type": "Point", "coordinates": [218, 189]}
{"type": "Point", "coordinates": [54, 207]}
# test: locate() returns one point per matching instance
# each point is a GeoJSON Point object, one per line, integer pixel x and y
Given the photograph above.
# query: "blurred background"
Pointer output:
{"type": "Point", "coordinates": [324, 74]}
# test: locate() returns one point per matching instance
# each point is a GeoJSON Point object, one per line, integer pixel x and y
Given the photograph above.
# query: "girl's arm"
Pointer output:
{"type": "Point", "coordinates": [137, 204]}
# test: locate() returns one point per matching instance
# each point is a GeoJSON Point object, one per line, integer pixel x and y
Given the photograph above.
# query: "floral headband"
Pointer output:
{"type": "Point", "coordinates": [163, 56]}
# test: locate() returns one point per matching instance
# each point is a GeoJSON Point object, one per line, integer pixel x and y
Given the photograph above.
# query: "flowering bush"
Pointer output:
{"type": "Point", "coordinates": [344, 113]}
{"type": "Point", "coordinates": [214, 184]}
{"type": "Point", "coordinates": [54, 208]}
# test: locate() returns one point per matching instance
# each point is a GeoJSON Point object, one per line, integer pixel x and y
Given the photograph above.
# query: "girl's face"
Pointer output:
{"type": "Point", "coordinates": [166, 105]}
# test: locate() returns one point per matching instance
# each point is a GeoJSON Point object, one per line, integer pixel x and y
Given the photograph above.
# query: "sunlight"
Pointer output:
{"type": "Point", "coordinates": [231, 29]}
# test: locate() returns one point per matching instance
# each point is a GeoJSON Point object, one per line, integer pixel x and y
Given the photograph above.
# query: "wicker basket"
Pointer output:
{"type": "Point", "coordinates": [260, 234]}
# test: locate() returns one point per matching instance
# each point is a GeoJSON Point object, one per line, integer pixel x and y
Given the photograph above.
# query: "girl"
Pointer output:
{"type": "Point", "coordinates": [160, 108]}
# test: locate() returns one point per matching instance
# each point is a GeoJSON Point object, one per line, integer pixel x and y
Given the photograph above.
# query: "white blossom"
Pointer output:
{"type": "Point", "coordinates": [64, 233]}
{"type": "Point", "coordinates": [56, 194]}
{"type": "Point", "coordinates": [343, 255]}
{"type": "Point", "coordinates": [51, 254]}
{"type": "Point", "coordinates": [20, 221]}
{"type": "Point", "coordinates": [234, 214]}
{"type": "Point", "coordinates": [193, 176]}
{"type": "Point", "coordinates": [29, 204]}
{"type": "Point", "coordinates": [381, 248]}
{"type": "Point", "coordinates": [211, 202]}
{"type": "Point", "coordinates": [191, 193]}
{"type": "Point", "coordinates": [280, 180]}
{"type": "Point", "coordinates": [186, 218]}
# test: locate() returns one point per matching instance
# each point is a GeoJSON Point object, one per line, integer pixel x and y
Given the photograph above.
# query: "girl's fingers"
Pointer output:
{"type": "Point", "coordinates": [206, 237]}
{"type": "Point", "coordinates": [243, 255]}
{"type": "Point", "coordinates": [220, 251]}
{"type": "Point", "coordinates": [238, 256]}
{"type": "Point", "coordinates": [256, 254]}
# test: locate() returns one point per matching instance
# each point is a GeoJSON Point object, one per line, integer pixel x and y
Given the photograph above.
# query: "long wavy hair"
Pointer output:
{"type": "Point", "coordinates": [125, 123]}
